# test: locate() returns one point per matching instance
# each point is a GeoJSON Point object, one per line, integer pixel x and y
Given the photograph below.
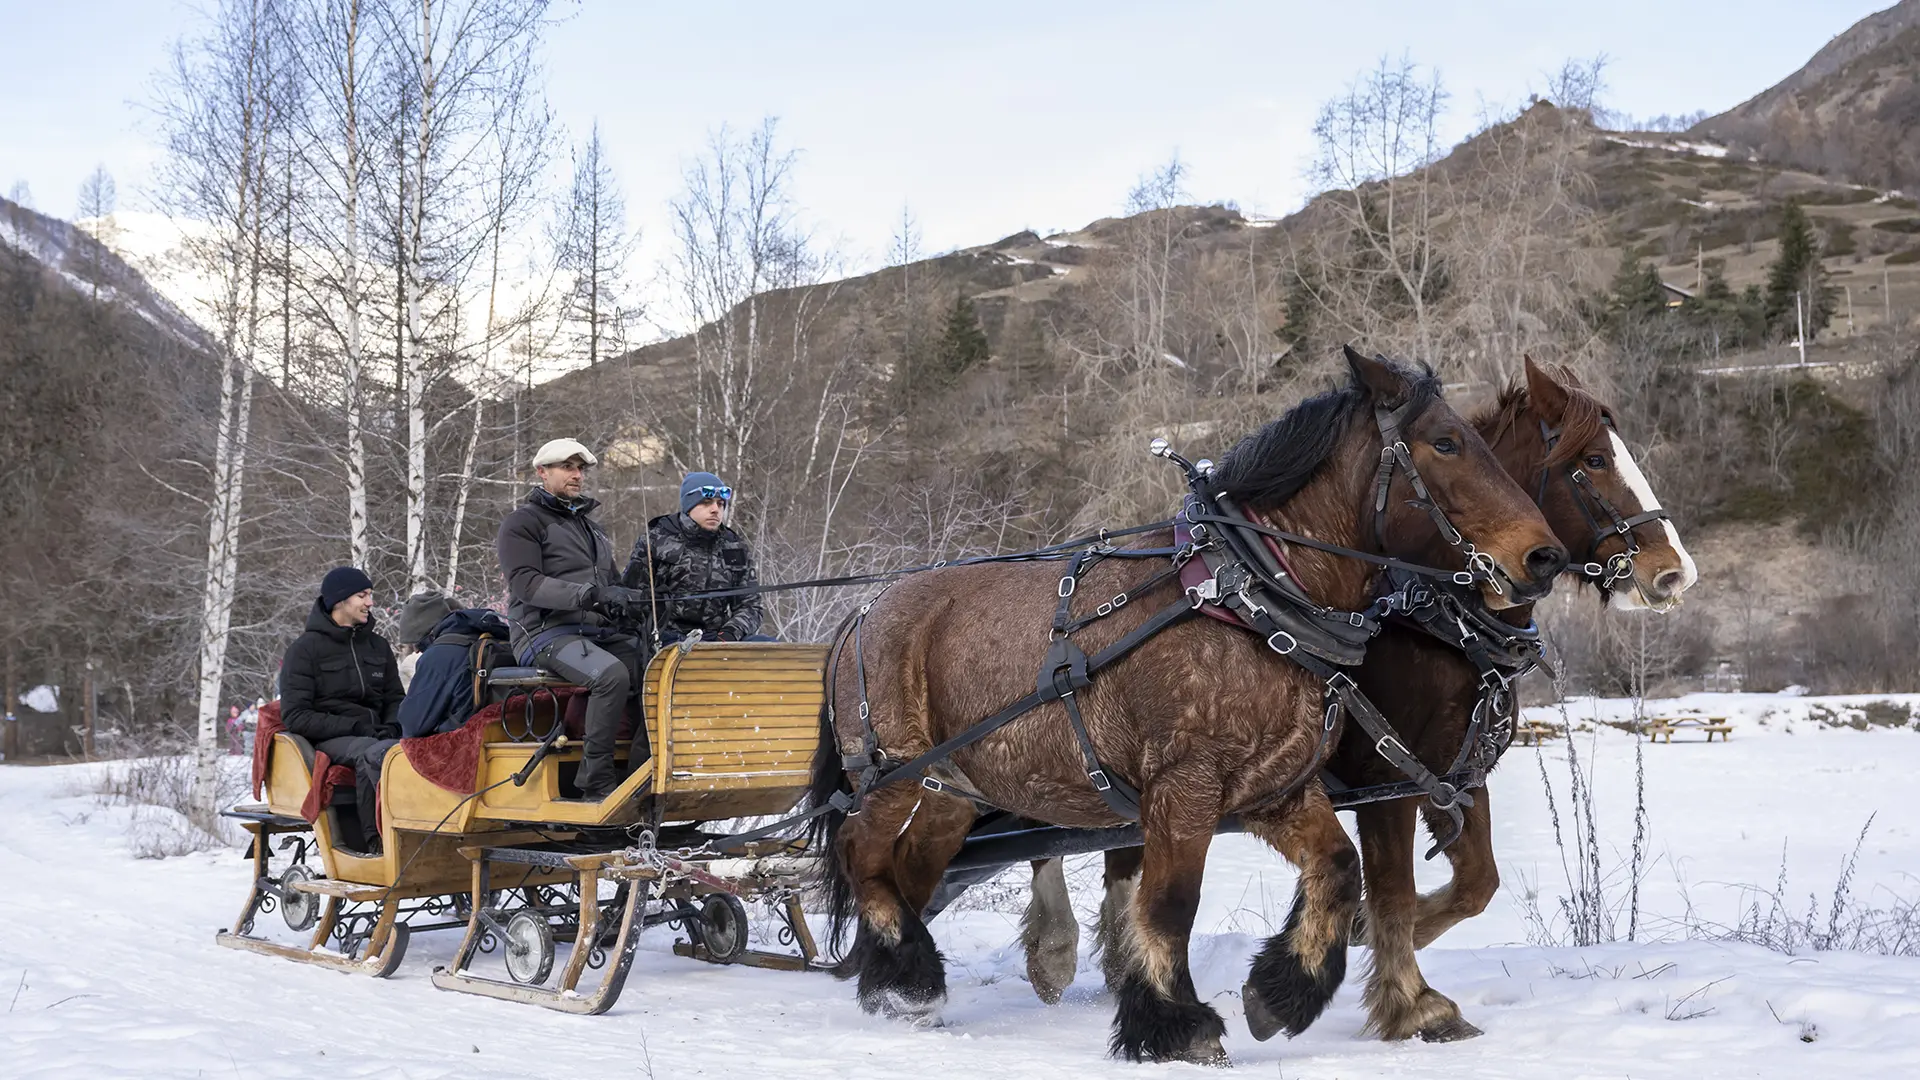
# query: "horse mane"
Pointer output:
{"type": "Point", "coordinates": [1585, 417]}
{"type": "Point", "coordinates": [1271, 465]}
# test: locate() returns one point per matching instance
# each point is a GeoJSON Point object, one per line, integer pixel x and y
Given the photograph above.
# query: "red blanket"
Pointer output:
{"type": "Point", "coordinates": [327, 776]}
{"type": "Point", "coordinates": [268, 725]}
{"type": "Point", "coordinates": [451, 759]}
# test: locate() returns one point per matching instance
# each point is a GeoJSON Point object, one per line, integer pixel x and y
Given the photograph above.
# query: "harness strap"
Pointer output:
{"type": "Point", "coordinates": [1444, 796]}
{"type": "Point", "coordinates": [1155, 623]}
{"type": "Point", "coordinates": [1065, 672]}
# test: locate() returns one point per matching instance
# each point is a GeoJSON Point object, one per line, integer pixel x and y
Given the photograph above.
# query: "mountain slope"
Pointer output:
{"type": "Point", "coordinates": [1852, 112]}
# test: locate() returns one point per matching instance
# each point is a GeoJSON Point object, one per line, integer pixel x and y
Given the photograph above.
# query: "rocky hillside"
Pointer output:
{"type": "Point", "coordinates": [1853, 112]}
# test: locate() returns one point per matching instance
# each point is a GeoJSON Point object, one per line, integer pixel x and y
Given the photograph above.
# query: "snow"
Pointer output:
{"type": "Point", "coordinates": [42, 699]}
{"type": "Point", "coordinates": [1702, 149]}
{"type": "Point", "coordinates": [108, 967]}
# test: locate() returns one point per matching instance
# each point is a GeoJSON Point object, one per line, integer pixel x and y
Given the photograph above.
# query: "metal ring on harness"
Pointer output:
{"type": "Point", "coordinates": [1292, 642]}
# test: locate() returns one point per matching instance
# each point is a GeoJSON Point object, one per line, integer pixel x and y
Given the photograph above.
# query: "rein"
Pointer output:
{"type": "Point", "coordinates": [1237, 575]}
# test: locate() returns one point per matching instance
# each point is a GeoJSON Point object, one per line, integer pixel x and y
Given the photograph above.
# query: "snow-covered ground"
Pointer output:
{"type": "Point", "coordinates": [108, 967]}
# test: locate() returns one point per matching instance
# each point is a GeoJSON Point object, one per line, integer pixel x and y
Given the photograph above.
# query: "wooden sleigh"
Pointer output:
{"type": "Point", "coordinates": [521, 867]}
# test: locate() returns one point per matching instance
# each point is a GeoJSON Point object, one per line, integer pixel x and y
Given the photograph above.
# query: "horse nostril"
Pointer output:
{"type": "Point", "coordinates": [1546, 561]}
{"type": "Point", "coordinates": [1669, 582]}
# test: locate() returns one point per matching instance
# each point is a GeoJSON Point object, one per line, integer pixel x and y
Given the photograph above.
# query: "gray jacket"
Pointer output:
{"type": "Point", "coordinates": [553, 554]}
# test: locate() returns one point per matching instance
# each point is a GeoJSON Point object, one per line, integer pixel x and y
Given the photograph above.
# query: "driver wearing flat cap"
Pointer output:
{"type": "Point", "coordinates": [564, 602]}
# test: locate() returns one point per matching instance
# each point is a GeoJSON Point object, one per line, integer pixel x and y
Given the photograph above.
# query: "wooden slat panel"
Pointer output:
{"type": "Point", "coordinates": [765, 721]}
{"type": "Point", "coordinates": [755, 760]}
{"type": "Point", "coordinates": [745, 740]}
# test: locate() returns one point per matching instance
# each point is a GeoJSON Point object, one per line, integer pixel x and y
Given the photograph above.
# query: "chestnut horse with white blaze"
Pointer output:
{"type": "Point", "coordinates": [1202, 719]}
{"type": "Point", "coordinates": [1562, 445]}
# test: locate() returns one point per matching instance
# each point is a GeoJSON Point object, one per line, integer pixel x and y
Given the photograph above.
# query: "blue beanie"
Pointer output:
{"type": "Point", "coordinates": [690, 495]}
{"type": "Point", "coordinates": [342, 582]}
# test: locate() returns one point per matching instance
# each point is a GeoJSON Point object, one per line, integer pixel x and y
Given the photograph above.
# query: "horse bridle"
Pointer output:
{"type": "Point", "coordinates": [1619, 566]}
{"type": "Point", "coordinates": [1393, 451]}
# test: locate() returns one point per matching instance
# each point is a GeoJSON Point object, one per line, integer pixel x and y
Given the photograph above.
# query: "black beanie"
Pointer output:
{"type": "Point", "coordinates": [340, 583]}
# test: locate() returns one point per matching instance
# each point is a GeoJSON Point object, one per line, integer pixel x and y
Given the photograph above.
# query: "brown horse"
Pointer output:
{"type": "Point", "coordinates": [1202, 719]}
{"type": "Point", "coordinates": [1541, 432]}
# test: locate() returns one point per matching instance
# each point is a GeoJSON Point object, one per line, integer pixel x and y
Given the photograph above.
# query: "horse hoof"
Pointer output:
{"type": "Point", "coordinates": [1453, 1030]}
{"type": "Point", "coordinates": [1206, 1050]}
{"type": "Point", "coordinates": [919, 1011]}
{"type": "Point", "coordinates": [1260, 1019]}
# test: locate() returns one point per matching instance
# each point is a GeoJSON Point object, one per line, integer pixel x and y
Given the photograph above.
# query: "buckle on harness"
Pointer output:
{"type": "Point", "coordinates": [1100, 781]}
{"type": "Point", "coordinates": [1066, 586]}
{"type": "Point", "coordinates": [932, 785]}
{"type": "Point", "coordinates": [1292, 642]}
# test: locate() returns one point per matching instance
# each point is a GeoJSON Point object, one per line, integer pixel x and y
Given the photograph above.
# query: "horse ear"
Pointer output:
{"type": "Point", "coordinates": [1548, 396]}
{"type": "Point", "coordinates": [1385, 382]}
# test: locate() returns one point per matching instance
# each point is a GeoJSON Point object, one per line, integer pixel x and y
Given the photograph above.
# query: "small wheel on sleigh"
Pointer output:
{"type": "Point", "coordinates": [300, 909]}
{"type": "Point", "coordinates": [529, 948]}
{"type": "Point", "coordinates": [722, 928]}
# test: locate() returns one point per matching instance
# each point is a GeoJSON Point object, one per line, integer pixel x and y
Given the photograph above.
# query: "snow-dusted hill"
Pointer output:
{"type": "Point", "coordinates": [93, 268]}
{"type": "Point", "coordinates": [110, 969]}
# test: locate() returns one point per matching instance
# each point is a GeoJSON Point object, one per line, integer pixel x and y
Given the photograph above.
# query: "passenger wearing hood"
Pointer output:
{"type": "Point", "coordinates": [340, 687]}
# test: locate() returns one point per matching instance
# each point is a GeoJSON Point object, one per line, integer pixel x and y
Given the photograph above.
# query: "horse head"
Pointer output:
{"type": "Point", "coordinates": [1562, 442]}
{"type": "Point", "coordinates": [1451, 503]}
{"type": "Point", "coordinates": [1385, 465]}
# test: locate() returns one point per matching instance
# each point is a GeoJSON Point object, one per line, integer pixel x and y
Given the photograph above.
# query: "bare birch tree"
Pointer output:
{"type": "Point", "coordinates": [1375, 144]}
{"type": "Point", "coordinates": [594, 246]}
{"type": "Point", "coordinates": [455, 56]}
{"type": "Point", "coordinates": [737, 239]}
{"type": "Point", "coordinates": [338, 65]}
{"type": "Point", "coordinates": [219, 111]}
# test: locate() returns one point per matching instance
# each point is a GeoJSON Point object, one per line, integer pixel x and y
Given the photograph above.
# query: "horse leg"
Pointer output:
{"type": "Point", "coordinates": [1475, 877]}
{"type": "Point", "coordinates": [1049, 932]}
{"type": "Point", "coordinates": [1399, 1002]}
{"type": "Point", "coordinates": [1296, 973]}
{"type": "Point", "coordinates": [1159, 1016]}
{"type": "Point", "coordinates": [1114, 936]}
{"type": "Point", "coordinates": [929, 842]}
{"type": "Point", "coordinates": [900, 970]}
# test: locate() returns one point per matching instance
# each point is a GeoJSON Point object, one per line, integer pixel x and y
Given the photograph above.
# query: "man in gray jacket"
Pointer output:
{"type": "Point", "coordinates": [564, 602]}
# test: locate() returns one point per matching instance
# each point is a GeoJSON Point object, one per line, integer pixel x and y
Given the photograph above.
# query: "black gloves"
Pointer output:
{"type": "Point", "coordinates": [617, 601]}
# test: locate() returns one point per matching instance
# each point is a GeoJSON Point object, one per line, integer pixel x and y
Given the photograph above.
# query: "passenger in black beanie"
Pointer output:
{"type": "Point", "coordinates": [340, 688]}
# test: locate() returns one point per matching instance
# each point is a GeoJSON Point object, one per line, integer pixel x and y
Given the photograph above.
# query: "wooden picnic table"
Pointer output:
{"type": "Point", "coordinates": [1665, 726]}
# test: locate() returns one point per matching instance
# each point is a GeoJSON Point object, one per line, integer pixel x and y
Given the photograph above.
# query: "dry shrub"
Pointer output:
{"type": "Point", "coordinates": [167, 820]}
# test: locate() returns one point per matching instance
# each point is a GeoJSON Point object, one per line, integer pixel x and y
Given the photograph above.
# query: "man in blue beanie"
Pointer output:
{"type": "Point", "coordinates": [340, 688]}
{"type": "Point", "coordinates": [694, 552]}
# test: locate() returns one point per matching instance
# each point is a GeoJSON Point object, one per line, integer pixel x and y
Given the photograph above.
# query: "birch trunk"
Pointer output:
{"type": "Point", "coordinates": [416, 330]}
{"type": "Point", "coordinates": [239, 261]}
{"type": "Point", "coordinates": [355, 348]}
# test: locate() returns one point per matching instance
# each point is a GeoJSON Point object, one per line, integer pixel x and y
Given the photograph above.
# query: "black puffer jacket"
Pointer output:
{"type": "Point", "coordinates": [338, 681]}
{"type": "Point", "coordinates": [553, 553]}
{"type": "Point", "coordinates": [688, 559]}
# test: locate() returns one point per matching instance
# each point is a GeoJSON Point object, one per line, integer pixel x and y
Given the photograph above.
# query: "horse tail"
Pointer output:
{"type": "Point", "coordinates": [823, 832]}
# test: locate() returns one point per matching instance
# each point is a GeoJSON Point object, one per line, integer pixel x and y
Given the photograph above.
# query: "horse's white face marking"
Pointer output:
{"type": "Point", "coordinates": [1636, 481]}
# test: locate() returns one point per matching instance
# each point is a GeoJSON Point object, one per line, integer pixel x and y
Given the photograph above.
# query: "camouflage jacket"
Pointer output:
{"type": "Point", "coordinates": [688, 559]}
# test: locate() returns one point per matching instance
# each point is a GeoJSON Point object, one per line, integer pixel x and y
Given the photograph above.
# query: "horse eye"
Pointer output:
{"type": "Point", "coordinates": [1596, 461]}
{"type": "Point", "coordinates": [1445, 445]}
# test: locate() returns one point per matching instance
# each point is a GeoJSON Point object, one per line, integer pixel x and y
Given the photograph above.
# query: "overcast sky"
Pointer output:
{"type": "Point", "coordinates": [984, 117]}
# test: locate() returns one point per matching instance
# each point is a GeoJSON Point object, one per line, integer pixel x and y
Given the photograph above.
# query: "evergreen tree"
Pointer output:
{"type": "Point", "coordinates": [1797, 270]}
{"type": "Point", "coordinates": [962, 343]}
{"type": "Point", "coordinates": [1635, 294]}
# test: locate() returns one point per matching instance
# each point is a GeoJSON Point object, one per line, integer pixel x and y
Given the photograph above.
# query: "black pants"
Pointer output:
{"type": "Point", "coordinates": [364, 755]}
{"type": "Point", "coordinates": [610, 670]}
